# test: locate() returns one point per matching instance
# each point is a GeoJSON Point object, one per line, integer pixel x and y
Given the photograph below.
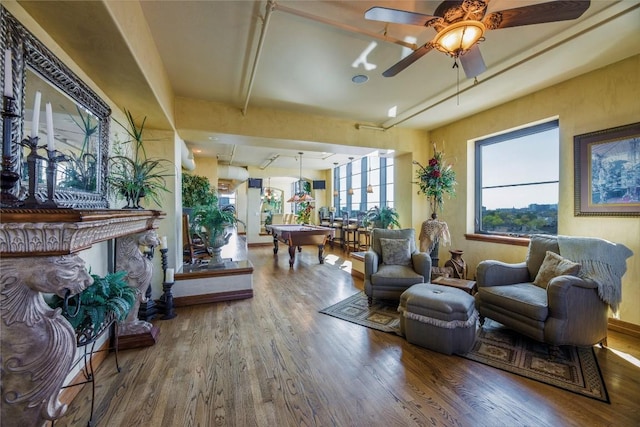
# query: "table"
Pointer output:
{"type": "Point", "coordinates": [296, 235]}
{"type": "Point", "coordinates": [469, 286]}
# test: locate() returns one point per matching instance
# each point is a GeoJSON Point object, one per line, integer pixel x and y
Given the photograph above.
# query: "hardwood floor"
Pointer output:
{"type": "Point", "coordinates": [273, 360]}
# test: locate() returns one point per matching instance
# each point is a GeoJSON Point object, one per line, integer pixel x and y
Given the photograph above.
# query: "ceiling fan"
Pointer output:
{"type": "Point", "coordinates": [460, 26]}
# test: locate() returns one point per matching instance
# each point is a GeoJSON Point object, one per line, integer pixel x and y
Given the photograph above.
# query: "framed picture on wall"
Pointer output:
{"type": "Point", "coordinates": [607, 172]}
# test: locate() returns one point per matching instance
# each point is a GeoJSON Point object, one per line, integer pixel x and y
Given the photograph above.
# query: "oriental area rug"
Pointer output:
{"type": "Point", "coordinates": [574, 369]}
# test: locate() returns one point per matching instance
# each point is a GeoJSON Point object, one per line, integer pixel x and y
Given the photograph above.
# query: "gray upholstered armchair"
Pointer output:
{"type": "Point", "coordinates": [393, 264]}
{"type": "Point", "coordinates": [561, 297]}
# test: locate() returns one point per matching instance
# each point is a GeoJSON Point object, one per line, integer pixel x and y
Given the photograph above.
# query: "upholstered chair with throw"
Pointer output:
{"type": "Point", "coordinates": [560, 294]}
{"type": "Point", "coordinates": [393, 264]}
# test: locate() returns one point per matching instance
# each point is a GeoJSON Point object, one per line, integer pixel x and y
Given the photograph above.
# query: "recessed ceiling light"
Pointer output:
{"type": "Point", "coordinates": [359, 79]}
{"type": "Point", "coordinates": [392, 111]}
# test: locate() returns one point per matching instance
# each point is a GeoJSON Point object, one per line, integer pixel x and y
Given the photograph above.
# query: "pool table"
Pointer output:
{"type": "Point", "coordinates": [296, 235]}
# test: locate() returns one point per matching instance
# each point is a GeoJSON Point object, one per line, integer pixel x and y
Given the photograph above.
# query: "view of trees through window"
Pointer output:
{"type": "Point", "coordinates": [517, 181]}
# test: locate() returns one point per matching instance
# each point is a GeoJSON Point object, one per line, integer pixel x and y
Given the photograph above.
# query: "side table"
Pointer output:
{"type": "Point", "coordinates": [469, 286]}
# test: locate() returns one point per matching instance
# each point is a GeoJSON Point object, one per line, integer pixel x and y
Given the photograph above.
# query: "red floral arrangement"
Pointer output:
{"type": "Point", "coordinates": [436, 179]}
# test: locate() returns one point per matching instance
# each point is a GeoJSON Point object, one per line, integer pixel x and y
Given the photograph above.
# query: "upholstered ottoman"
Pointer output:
{"type": "Point", "coordinates": [439, 318]}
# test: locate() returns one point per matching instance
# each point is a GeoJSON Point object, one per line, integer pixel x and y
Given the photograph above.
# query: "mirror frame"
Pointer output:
{"type": "Point", "coordinates": [29, 52]}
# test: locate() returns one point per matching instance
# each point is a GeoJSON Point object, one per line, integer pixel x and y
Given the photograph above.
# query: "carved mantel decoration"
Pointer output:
{"type": "Point", "coordinates": [39, 253]}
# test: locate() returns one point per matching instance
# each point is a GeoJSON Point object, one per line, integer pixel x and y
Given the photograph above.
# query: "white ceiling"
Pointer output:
{"type": "Point", "coordinates": [208, 49]}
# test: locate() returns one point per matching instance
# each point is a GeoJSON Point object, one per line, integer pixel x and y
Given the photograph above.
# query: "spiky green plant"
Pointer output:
{"type": "Point", "coordinates": [81, 172]}
{"type": "Point", "coordinates": [136, 176]}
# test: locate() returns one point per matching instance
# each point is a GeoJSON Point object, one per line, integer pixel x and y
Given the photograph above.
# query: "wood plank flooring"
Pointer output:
{"type": "Point", "coordinates": [273, 360]}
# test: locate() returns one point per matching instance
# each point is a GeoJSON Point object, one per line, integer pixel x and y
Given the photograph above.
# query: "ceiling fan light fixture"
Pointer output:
{"type": "Point", "coordinates": [459, 37]}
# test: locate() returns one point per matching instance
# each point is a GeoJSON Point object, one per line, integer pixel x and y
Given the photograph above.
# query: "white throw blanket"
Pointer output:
{"type": "Point", "coordinates": [602, 261]}
{"type": "Point", "coordinates": [432, 232]}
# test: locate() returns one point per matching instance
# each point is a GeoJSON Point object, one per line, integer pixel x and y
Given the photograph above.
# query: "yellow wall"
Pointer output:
{"type": "Point", "coordinates": [601, 99]}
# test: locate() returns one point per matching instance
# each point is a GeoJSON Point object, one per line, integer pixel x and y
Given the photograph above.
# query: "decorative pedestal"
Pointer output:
{"type": "Point", "coordinates": [39, 254]}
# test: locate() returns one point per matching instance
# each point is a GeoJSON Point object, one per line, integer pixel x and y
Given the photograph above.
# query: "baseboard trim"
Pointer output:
{"type": "Point", "coordinates": [211, 298]}
{"type": "Point", "coordinates": [258, 244]}
{"type": "Point", "coordinates": [624, 327]}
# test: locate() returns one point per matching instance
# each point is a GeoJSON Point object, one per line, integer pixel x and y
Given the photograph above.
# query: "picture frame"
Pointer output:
{"type": "Point", "coordinates": [607, 172]}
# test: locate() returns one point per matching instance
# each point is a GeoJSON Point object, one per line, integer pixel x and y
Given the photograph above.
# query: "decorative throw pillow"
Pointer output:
{"type": "Point", "coordinates": [396, 251]}
{"type": "Point", "coordinates": [552, 266]}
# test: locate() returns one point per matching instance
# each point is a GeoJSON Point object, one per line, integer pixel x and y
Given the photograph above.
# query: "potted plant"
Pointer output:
{"type": "Point", "coordinates": [109, 297]}
{"type": "Point", "coordinates": [385, 217]}
{"type": "Point", "coordinates": [134, 176]}
{"type": "Point", "coordinates": [435, 180]}
{"type": "Point", "coordinates": [215, 221]}
{"type": "Point", "coordinates": [81, 167]}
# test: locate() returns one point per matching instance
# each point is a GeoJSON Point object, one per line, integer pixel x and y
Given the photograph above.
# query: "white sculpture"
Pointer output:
{"type": "Point", "coordinates": [139, 271]}
{"type": "Point", "coordinates": [37, 343]}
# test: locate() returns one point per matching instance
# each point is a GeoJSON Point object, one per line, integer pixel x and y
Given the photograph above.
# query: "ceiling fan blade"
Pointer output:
{"type": "Point", "coordinates": [386, 14]}
{"type": "Point", "coordinates": [472, 62]}
{"type": "Point", "coordinates": [408, 60]}
{"type": "Point", "coordinates": [561, 10]}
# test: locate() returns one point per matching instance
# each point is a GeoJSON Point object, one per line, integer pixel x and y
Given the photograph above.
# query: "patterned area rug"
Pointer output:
{"type": "Point", "coordinates": [573, 369]}
{"type": "Point", "coordinates": [382, 315]}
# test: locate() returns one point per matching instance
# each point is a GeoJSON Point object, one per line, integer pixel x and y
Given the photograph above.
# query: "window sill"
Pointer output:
{"type": "Point", "coordinates": [505, 240]}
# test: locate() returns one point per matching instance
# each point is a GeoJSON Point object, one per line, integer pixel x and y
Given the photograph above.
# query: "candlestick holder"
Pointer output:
{"type": "Point", "coordinates": [169, 313]}
{"type": "Point", "coordinates": [53, 158]}
{"type": "Point", "coordinates": [166, 300]}
{"type": "Point", "coordinates": [8, 177]}
{"type": "Point", "coordinates": [31, 142]}
{"type": "Point", "coordinates": [163, 259]}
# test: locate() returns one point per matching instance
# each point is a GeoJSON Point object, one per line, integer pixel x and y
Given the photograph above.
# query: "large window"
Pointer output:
{"type": "Point", "coordinates": [517, 181]}
{"type": "Point", "coordinates": [357, 176]}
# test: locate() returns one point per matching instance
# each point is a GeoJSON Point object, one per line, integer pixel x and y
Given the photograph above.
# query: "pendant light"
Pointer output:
{"type": "Point", "coordinates": [302, 196]}
{"type": "Point", "coordinates": [267, 191]}
{"type": "Point", "coordinates": [369, 186]}
{"type": "Point", "coordinates": [350, 190]}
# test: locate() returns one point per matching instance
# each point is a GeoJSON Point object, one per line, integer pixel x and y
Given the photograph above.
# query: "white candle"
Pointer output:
{"type": "Point", "coordinates": [170, 277]}
{"type": "Point", "coordinates": [8, 76]}
{"type": "Point", "coordinates": [35, 123]}
{"type": "Point", "coordinates": [163, 242]}
{"type": "Point", "coordinates": [51, 145]}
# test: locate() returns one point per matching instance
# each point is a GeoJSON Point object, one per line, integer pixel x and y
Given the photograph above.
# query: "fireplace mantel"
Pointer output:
{"type": "Point", "coordinates": [39, 254]}
{"type": "Point", "coordinates": [48, 232]}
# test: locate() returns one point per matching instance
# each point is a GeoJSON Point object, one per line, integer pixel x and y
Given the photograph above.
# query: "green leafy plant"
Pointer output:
{"type": "Point", "coordinates": [214, 220]}
{"type": "Point", "coordinates": [385, 217]}
{"type": "Point", "coordinates": [135, 176]}
{"type": "Point", "coordinates": [89, 309]}
{"type": "Point", "coordinates": [81, 171]}
{"type": "Point", "coordinates": [196, 190]}
{"type": "Point", "coordinates": [304, 213]}
{"type": "Point", "coordinates": [436, 179]}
